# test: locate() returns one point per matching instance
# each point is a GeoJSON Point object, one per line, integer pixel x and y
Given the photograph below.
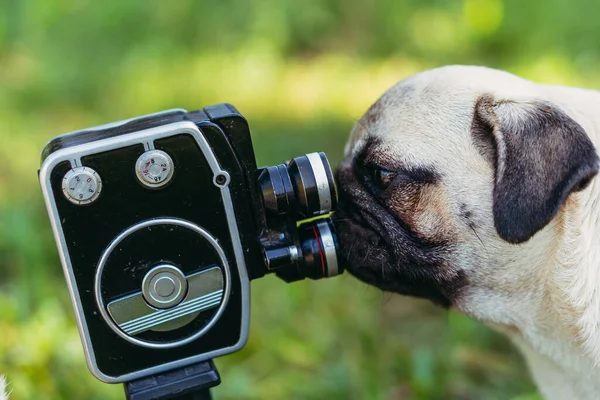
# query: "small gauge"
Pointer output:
{"type": "Point", "coordinates": [154, 168]}
{"type": "Point", "coordinates": [81, 185]}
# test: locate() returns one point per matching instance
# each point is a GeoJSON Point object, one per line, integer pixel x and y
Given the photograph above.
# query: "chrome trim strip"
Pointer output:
{"type": "Point", "coordinates": [322, 182]}
{"type": "Point", "coordinates": [166, 316]}
{"type": "Point", "coordinates": [140, 137]}
{"type": "Point", "coordinates": [148, 321]}
{"type": "Point", "coordinates": [202, 307]}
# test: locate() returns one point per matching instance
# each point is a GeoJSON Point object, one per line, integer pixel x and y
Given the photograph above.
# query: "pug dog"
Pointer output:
{"type": "Point", "coordinates": [476, 189]}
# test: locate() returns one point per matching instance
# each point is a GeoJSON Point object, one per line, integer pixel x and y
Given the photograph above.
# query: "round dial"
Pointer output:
{"type": "Point", "coordinates": [164, 286]}
{"type": "Point", "coordinates": [81, 185]}
{"type": "Point", "coordinates": [154, 168]}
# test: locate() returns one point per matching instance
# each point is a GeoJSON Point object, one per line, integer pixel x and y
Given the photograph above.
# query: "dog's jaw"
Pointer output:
{"type": "Point", "coordinates": [390, 254]}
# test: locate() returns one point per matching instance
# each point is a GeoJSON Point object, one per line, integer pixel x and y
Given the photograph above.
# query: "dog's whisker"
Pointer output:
{"type": "Point", "coordinates": [487, 254]}
{"type": "Point", "coordinates": [366, 257]}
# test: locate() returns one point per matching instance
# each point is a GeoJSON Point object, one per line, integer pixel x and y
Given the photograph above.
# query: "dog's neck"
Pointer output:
{"type": "Point", "coordinates": [549, 304]}
{"type": "Point", "coordinates": [563, 346]}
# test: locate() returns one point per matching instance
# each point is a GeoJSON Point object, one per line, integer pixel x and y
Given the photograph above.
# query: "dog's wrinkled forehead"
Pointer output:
{"type": "Point", "coordinates": [410, 122]}
{"type": "Point", "coordinates": [428, 116]}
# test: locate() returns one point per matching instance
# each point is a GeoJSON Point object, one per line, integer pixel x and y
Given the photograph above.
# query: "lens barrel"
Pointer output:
{"type": "Point", "coordinates": [304, 187]}
{"type": "Point", "coordinates": [318, 247]}
{"type": "Point", "coordinates": [314, 257]}
{"type": "Point", "coordinates": [301, 189]}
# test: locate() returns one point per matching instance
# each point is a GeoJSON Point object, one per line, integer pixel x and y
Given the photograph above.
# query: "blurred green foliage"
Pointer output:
{"type": "Point", "coordinates": [302, 72]}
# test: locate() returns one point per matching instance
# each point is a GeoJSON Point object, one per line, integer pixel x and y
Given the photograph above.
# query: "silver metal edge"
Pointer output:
{"type": "Point", "coordinates": [329, 248]}
{"type": "Point", "coordinates": [116, 123]}
{"type": "Point", "coordinates": [132, 229]}
{"type": "Point", "coordinates": [141, 137]}
{"type": "Point", "coordinates": [321, 181]}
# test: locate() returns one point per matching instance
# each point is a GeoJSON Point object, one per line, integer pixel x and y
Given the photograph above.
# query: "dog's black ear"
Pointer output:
{"type": "Point", "coordinates": [540, 155]}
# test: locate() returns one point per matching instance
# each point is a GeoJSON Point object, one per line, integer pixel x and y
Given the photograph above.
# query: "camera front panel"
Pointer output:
{"type": "Point", "coordinates": [148, 239]}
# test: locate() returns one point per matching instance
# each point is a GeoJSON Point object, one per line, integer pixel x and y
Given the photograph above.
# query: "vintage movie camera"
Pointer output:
{"type": "Point", "coordinates": [162, 221]}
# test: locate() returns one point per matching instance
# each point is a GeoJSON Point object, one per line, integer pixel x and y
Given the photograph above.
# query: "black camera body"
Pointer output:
{"type": "Point", "coordinates": [161, 222]}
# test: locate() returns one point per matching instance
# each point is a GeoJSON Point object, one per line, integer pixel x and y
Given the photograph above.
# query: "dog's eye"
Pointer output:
{"type": "Point", "coordinates": [382, 177]}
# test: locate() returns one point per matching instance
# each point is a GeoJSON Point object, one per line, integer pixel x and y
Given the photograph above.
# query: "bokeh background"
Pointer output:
{"type": "Point", "coordinates": [302, 72]}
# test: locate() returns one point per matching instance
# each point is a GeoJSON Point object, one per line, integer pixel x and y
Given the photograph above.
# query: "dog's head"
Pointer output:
{"type": "Point", "coordinates": [452, 188]}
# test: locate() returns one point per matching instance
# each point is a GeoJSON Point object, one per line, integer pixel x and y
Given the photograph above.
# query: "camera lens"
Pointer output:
{"type": "Point", "coordinates": [319, 250]}
{"type": "Point", "coordinates": [315, 256]}
{"type": "Point", "coordinates": [304, 187]}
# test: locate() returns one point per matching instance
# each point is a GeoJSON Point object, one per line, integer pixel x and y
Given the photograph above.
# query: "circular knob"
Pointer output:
{"type": "Point", "coordinates": [81, 185]}
{"type": "Point", "coordinates": [164, 286]}
{"type": "Point", "coordinates": [154, 168]}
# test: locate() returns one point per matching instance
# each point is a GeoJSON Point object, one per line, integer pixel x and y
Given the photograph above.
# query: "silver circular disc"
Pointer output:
{"type": "Point", "coordinates": [81, 185]}
{"type": "Point", "coordinates": [164, 286]}
{"type": "Point", "coordinates": [154, 168]}
{"type": "Point", "coordinates": [135, 228]}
